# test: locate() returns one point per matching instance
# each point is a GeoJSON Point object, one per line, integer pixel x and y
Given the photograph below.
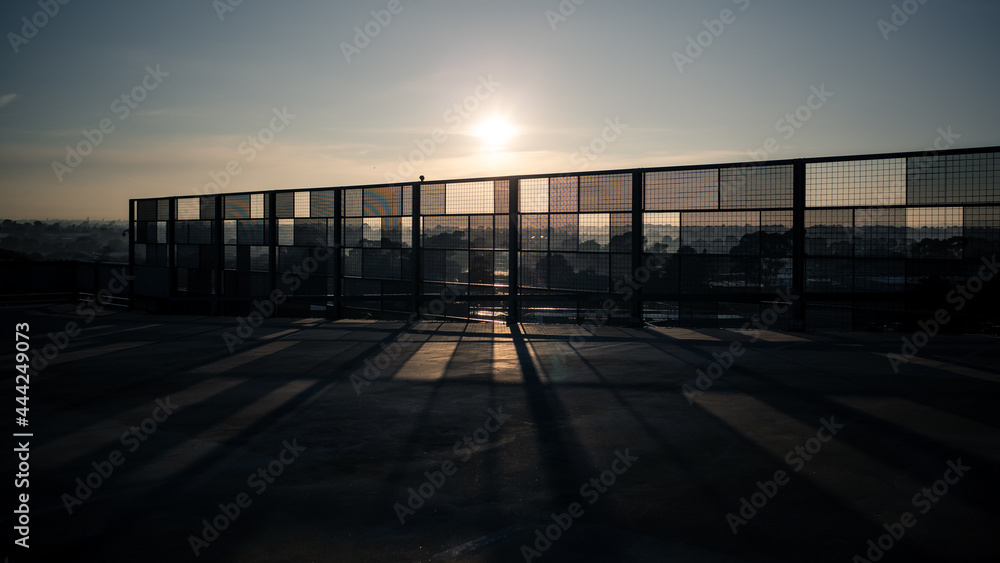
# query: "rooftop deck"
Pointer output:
{"type": "Point", "coordinates": [344, 418]}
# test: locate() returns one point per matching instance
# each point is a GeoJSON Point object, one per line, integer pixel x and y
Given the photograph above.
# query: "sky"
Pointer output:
{"type": "Point", "coordinates": [107, 100]}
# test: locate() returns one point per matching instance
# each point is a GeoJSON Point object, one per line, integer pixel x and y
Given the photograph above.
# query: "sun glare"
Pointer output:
{"type": "Point", "coordinates": [495, 132]}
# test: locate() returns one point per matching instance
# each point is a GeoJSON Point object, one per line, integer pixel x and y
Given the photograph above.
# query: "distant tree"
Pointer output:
{"type": "Point", "coordinates": [663, 246]}
{"type": "Point", "coordinates": [621, 243]}
{"type": "Point", "coordinates": [481, 267]}
{"type": "Point", "coordinates": [936, 248]}
{"type": "Point", "coordinates": [561, 273]}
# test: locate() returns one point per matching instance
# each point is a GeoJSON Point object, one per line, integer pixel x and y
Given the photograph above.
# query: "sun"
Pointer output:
{"type": "Point", "coordinates": [496, 132]}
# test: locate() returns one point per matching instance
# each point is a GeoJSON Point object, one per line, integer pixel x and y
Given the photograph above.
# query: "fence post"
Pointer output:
{"type": "Point", "coordinates": [220, 256]}
{"type": "Point", "coordinates": [172, 246]}
{"type": "Point", "coordinates": [635, 307]}
{"type": "Point", "coordinates": [338, 247]}
{"type": "Point", "coordinates": [513, 247]}
{"type": "Point", "coordinates": [798, 243]}
{"type": "Point", "coordinates": [415, 242]}
{"type": "Point", "coordinates": [131, 253]}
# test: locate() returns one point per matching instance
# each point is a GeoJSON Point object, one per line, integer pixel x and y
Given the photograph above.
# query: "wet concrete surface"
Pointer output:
{"type": "Point", "coordinates": [326, 437]}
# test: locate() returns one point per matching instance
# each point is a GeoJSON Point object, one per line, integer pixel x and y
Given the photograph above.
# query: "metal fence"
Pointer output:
{"type": "Point", "coordinates": [39, 282]}
{"type": "Point", "coordinates": [848, 242]}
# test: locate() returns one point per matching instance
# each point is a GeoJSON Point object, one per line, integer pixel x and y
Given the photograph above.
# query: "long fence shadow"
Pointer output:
{"type": "Point", "coordinates": [560, 454]}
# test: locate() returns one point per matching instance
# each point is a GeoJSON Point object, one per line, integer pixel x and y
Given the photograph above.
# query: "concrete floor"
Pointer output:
{"type": "Point", "coordinates": [572, 410]}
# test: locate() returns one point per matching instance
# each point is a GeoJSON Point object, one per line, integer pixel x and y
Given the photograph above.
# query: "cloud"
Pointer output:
{"type": "Point", "coordinates": [6, 99]}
